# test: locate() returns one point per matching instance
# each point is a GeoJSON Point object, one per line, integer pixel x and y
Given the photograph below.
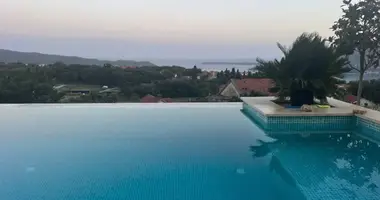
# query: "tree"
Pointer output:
{"type": "Point", "coordinates": [357, 33]}
{"type": "Point", "coordinates": [233, 73]}
{"type": "Point", "coordinates": [194, 73]}
{"type": "Point", "coordinates": [238, 74]}
{"type": "Point", "coordinates": [58, 64]}
{"type": "Point", "coordinates": [220, 74]}
{"type": "Point", "coordinates": [20, 84]}
{"type": "Point", "coordinates": [309, 64]}
{"type": "Point", "coordinates": [227, 73]}
{"type": "Point", "coordinates": [244, 74]}
{"type": "Point", "coordinates": [249, 74]}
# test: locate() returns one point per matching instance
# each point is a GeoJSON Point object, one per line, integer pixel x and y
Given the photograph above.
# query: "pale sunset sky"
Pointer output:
{"type": "Point", "coordinates": [161, 28]}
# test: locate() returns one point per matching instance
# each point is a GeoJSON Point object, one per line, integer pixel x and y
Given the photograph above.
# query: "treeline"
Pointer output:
{"type": "Point", "coordinates": [226, 75]}
{"type": "Point", "coordinates": [20, 83]}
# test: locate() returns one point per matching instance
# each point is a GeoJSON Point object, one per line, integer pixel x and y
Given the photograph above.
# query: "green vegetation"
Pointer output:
{"type": "Point", "coordinates": [356, 32]}
{"type": "Point", "coordinates": [224, 76]}
{"type": "Point", "coordinates": [309, 64]}
{"type": "Point", "coordinates": [20, 83]}
{"type": "Point", "coordinates": [312, 63]}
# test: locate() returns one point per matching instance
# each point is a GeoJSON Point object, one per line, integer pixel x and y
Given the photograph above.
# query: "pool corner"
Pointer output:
{"type": "Point", "coordinates": [338, 119]}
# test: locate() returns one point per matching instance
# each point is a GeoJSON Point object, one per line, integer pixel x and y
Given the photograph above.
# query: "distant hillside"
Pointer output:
{"type": "Point", "coordinates": [8, 56]}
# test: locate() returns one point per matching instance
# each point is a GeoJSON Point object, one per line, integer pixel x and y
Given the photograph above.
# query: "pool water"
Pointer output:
{"type": "Point", "coordinates": [173, 152]}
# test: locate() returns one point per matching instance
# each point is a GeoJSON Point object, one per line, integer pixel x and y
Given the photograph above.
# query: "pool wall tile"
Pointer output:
{"type": "Point", "coordinates": [256, 115]}
{"type": "Point", "coordinates": [368, 128]}
{"type": "Point", "coordinates": [300, 123]}
{"type": "Point", "coordinates": [314, 124]}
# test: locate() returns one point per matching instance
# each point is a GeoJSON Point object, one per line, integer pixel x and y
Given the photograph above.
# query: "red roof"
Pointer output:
{"type": "Point", "coordinates": [350, 98]}
{"type": "Point", "coordinates": [152, 99]}
{"type": "Point", "coordinates": [149, 99]}
{"type": "Point", "coordinates": [247, 85]}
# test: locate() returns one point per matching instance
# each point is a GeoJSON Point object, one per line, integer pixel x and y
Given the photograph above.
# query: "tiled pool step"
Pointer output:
{"type": "Point", "coordinates": [324, 167]}
{"type": "Point", "coordinates": [314, 124]}
{"type": "Point", "coordinates": [318, 184]}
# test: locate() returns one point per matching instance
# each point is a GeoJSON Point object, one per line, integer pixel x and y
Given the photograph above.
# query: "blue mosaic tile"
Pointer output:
{"type": "Point", "coordinates": [317, 184]}
{"type": "Point", "coordinates": [368, 128]}
{"type": "Point", "coordinates": [314, 124]}
{"type": "Point", "coordinates": [257, 116]}
{"type": "Point", "coordinates": [310, 123]}
{"type": "Point", "coordinates": [314, 183]}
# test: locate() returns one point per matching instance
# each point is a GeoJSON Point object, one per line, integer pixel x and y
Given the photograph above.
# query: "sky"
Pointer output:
{"type": "Point", "coordinates": [167, 29]}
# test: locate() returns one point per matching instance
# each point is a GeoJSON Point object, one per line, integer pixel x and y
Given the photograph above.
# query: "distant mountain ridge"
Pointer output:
{"type": "Point", "coordinates": [9, 56]}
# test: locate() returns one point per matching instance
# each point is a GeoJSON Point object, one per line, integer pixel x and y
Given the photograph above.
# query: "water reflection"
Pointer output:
{"type": "Point", "coordinates": [346, 162]}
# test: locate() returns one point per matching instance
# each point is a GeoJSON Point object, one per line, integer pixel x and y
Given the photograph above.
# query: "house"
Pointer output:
{"type": "Point", "coordinates": [110, 91]}
{"type": "Point", "coordinates": [363, 102]}
{"type": "Point", "coordinates": [239, 87]}
{"type": "Point", "coordinates": [149, 99]}
{"type": "Point", "coordinates": [153, 99]}
{"type": "Point", "coordinates": [350, 99]}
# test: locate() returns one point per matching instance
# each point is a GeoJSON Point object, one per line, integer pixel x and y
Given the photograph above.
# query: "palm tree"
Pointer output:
{"type": "Point", "coordinates": [308, 64]}
{"type": "Point", "coordinates": [275, 70]}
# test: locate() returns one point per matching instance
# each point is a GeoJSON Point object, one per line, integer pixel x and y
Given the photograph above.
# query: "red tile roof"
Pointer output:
{"type": "Point", "coordinates": [149, 99]}
{"type": "Point", "coordinates": [152, 99]}
{"type": "Point", "coordinates": [248, 85]}
{"type": "Point", "coordinates": [350, 98]}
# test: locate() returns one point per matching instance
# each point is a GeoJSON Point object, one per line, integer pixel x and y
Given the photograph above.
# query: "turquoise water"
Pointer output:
{"type": "Point", "coordinates": [173, 152]}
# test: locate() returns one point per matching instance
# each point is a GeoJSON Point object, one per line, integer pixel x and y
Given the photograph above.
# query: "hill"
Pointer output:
{"type": "Point", "coordinates": [9, 56]}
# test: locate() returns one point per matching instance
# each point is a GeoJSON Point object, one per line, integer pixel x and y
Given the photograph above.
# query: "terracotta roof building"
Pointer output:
{"type": "Point", "coordinates": [350, 98]}
{"type": "Point", "coordinates": [149, 99]}
{"type": "Point", "coordinates": [153, 99]}
{"type": "Point", "coordinates": [238, 87]}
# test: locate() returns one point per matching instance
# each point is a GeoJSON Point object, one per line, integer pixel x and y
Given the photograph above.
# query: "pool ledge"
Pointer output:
{"type": "Point", "coordinates": [275, 118]}
{"type": "Point", "coordinates": [267, 107]}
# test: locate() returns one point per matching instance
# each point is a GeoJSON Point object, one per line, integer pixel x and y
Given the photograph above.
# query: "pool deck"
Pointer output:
{"type": "Point", "coordinates": [267, 107]}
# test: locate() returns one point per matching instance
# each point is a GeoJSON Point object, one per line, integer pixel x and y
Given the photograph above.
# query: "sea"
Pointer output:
{"type": "Point", "coordinates": [228, 64]}
{"type": "Point", "coordinates": [189, 63]}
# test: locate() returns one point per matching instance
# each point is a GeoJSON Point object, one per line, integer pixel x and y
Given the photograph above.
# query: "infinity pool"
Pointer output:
{"type": "Point", "coordinates": [173, 152]}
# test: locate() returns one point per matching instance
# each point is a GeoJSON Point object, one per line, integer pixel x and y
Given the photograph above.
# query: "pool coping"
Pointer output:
{"type": "Point", "coordinates": [268, 108]}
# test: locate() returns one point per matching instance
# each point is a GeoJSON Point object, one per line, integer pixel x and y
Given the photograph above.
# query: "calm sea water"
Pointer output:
{"type": "Point", "coordinates": [189, 63]}
{"type": "Point", "coordinates": [355, 76]}
{"type": "Point", "coordinates": [173, 152]}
